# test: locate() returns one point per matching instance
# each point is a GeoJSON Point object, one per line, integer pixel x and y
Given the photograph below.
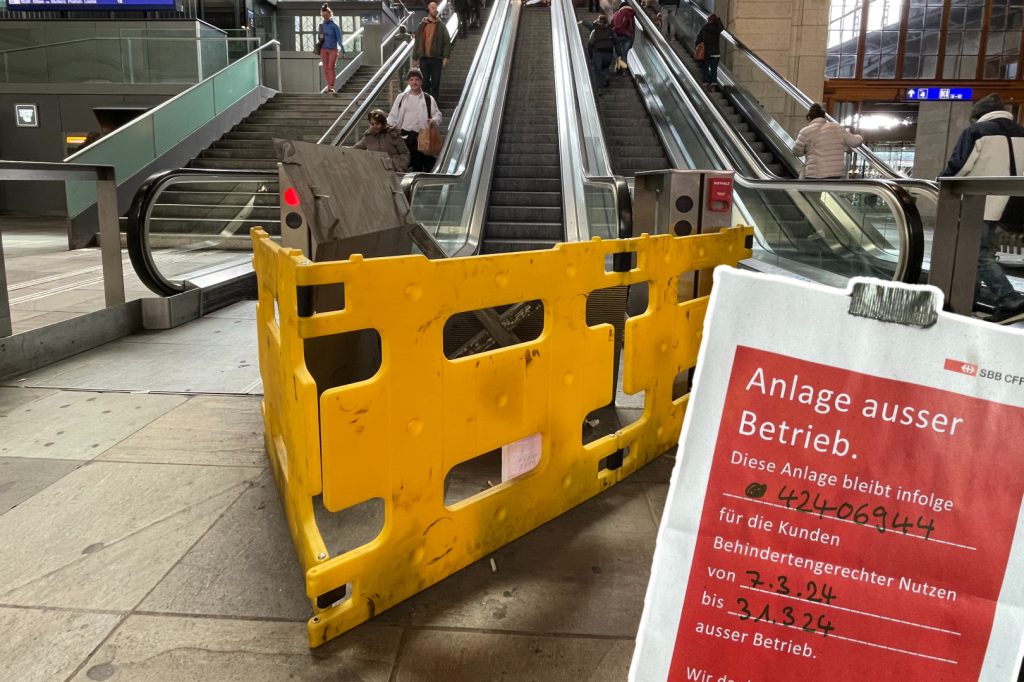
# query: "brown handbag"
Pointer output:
{"type": "Point", "coordinates": [698, 52]}
{"type": "Point", "coordinates": [429, 140]}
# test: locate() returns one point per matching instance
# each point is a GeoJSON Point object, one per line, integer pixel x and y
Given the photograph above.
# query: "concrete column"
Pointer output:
{"type": "Point", "coordinates": [939, 125]}
{"type": "Point", "coordinates": [789, 35]}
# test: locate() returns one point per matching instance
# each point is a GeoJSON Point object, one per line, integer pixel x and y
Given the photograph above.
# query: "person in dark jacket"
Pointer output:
{"type": "Point", "coordinates": [984, 149]}
{"type": "Point", "coordinates": [710, 35]}
{"type": "Point", "coordinates": [380, 137]}
{"type": "Point", "coordinates": [432, 49]}
{"type": "Point", "coordinates": [601, 50]}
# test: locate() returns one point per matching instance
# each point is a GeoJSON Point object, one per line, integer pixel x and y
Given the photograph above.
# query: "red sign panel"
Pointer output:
{"type": "Point", "coordinates": [854, 528]}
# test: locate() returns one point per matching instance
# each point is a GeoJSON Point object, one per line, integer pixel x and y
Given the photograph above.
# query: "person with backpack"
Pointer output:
{"type": "Point", "coordinates": [823, 143]}
{"type": "Point", "coordinates": [624, 28]}
{"type": "Point", "coordinates": [601, 51]}
{"type": "Point", "coordinates": [414, 110]}
{"type": "Point", "coordinates": [992, 146]}
{"type": "Point", "coordinates": [330, 45]}
{"type": "Point", "coordinates": [708, 50]}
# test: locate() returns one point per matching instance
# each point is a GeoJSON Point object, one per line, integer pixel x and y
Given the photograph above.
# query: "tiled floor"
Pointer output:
{"type": "Point", "coordinates": [47, 283]}
{"type": "Point", "coordinates": [143, 539]}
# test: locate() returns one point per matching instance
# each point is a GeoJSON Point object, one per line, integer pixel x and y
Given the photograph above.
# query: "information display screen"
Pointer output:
{"type": "Point", "coordinates": [87, 5]}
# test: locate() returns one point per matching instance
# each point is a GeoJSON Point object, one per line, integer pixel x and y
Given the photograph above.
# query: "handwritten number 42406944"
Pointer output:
{"type": "Point", "coordinates": [883, 518]}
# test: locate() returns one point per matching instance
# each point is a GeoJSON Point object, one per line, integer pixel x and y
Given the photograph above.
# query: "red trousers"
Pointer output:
{"type": "Point", "coordinates": [329, 58]}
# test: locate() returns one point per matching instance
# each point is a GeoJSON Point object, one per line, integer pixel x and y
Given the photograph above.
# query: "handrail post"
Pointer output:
{"type": "Point", "coordinates": [131, 63]}
{"type": "Point", "coordinates": [110, 236]}
{"type": "Point", "coordinates": [277, 58]}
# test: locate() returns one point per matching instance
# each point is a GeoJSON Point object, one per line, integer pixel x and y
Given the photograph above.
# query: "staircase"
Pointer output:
{"type": "Point", "coordinates": [224, 209]}
{"type": "Point", "coordinates": [631, 139]}
{"type": "Point", "coordinates": [525, 204]}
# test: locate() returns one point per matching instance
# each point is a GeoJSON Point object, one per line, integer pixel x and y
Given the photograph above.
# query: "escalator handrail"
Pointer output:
{"type": "Point", "coordinates": [583, 152]}
{"type": "Point", "coordinates": [137, 232]}
{"type": "Point", "coordinates": [908, 219]}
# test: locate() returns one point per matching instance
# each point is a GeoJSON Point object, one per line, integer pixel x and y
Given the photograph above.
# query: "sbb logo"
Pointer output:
{"type": "Point", "coordinates": [961, 367]}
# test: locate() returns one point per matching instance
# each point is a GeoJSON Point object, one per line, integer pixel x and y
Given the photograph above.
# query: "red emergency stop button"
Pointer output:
{"type": "Point", "coordinates": [719, 195]}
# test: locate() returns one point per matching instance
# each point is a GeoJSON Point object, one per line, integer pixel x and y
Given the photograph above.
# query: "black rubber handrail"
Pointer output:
{"type": "Point", "coordinates": [136, 229]}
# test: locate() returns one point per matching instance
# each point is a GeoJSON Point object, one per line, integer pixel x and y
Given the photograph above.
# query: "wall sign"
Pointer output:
{"type": "Point", "coordinates": [845, 506]}
{"type": "Point", "coordinates": [26, 115]}
{"type": "Point", "coordinates": [940, 94]}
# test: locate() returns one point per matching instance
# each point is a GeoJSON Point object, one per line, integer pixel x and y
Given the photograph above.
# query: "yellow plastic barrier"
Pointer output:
{"type": "Point", "coordinates": [396, 435]}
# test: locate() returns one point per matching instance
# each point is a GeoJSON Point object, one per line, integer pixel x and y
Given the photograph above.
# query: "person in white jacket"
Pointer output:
{"type": "Point", "coordinates": [984, 150]}
{"type": "Point", "coordinates": [824, 143]}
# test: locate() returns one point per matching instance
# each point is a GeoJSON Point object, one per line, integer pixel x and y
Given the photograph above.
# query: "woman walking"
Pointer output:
{"type": "Point", "coordinates": [708, 50]}
{"type": "Point", "coordinates": [330, 44]}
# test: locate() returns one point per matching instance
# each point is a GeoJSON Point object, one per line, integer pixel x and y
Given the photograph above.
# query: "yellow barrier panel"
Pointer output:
{"type": "Point", "coordinates": [398, 434]}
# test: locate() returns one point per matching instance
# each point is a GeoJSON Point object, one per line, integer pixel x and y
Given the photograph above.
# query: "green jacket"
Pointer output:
{"type": "Point", "coordinates": [442, 46]}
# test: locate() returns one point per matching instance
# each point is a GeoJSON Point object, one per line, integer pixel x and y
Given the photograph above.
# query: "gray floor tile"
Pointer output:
{"type": "Point", "coordinates": [581, 573]}
{"type": "Point", "coordinates": [155, 367]}
{"type": "Point", "coordinates": [429, 655]}
{"type": "Point", "coordinates": [105, 534]}
{"type": "Point", "coordinates": [79, 424]}
{"type": "Point", "coordinates": [658, 470]}
{"type": "Point", "coordinates": [657, 493]}
{"type": "Point", "coordinates": [48, 645]}
{"type": "Point", "coordinates": [14, 397]}
{"type": "Point", "coordinates": [244, 566]}
{"type": "Point", "coordinates": [205, 331]}
{"type": "Point", "coordinates": [167, 649]}
{"type": "Point", "coordinates": [50, 298]}
{"type": "Point", "coordinates": [243, 310]}
{"type": "Point", "coordinates": [36, 319]}
{"type": "Point", "coordinates": [215, 430]}
{"type": "Point", "coordinates": [21, 478]}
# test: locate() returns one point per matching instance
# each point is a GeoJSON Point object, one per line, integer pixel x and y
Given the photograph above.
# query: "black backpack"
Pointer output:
{"type": "Point", "coordinates": [1012, 219]}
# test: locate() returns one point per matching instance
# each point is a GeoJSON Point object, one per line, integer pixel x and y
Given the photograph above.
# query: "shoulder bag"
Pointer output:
{"type": "Point", "coordinates": [318, 45]}
{"type": "Point", "coordinates": [429, 140]}
{"type": "Point", "coordinates": [1012, 219]}
{"type": "Point", "coordinates": [698, 52]}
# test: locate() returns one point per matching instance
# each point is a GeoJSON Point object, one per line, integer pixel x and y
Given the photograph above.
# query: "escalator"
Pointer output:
{"type": "Point", "coordinates": [633, 143]}
{"type": "Point", "coordinates": [767, 112]}
{"type": "Point", "coordinates": [803, 228]}
{"type": "Point", "coordinates": [525, 203]}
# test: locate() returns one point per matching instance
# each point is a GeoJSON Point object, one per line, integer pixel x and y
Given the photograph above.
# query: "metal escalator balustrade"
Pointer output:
{"type": "Point", "coordinates": [803, 227]}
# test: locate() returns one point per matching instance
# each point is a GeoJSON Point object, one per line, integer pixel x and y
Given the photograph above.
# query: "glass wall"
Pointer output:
{"type": "Point", "coordinates": [843, 38]}
{"type": "Point", "coordinates": [307, 31]}
{"type": "Point", "coordinates": [925, 39]}
{"type": "Point", "coordinates": [882, 40]}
